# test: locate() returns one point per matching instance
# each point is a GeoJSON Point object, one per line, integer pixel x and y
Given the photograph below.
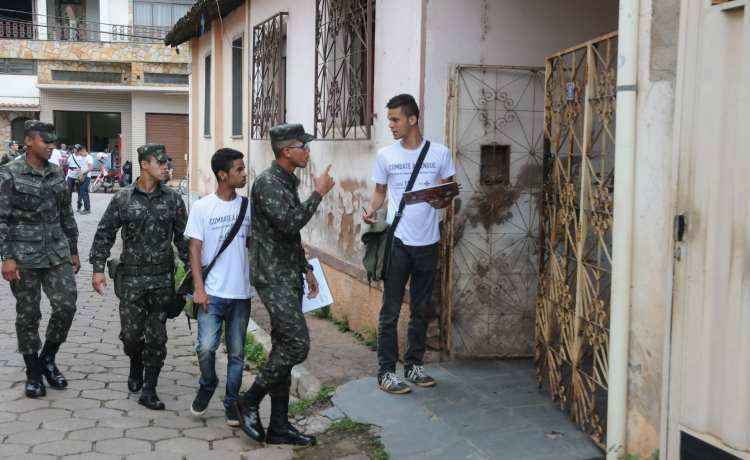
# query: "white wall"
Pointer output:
{"type": "Point", "coordinates": [336, 226]}
{"type": "Point", "coordinates": [143, 103]}
{"type": "Point", "coordinates": [19, 89]}
{"type": "Point", "coordinates": [501, 32]}
{"type": "Point", "coordinates": [114, 12]}
{"type": "Point", "coordinates": [202, 179]}
{"type": "Point", "coordinates": [234, 27]}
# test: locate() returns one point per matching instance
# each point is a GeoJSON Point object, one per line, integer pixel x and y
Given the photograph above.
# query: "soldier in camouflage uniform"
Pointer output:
{"type": "Point", "coordinates": [152, 215]}
{"type": "Point", "coordinates": [39, 249]}
{"type": "Point", "coordinates": [277, 264]}
{"type": "Point", "coordinates": [11, 154]}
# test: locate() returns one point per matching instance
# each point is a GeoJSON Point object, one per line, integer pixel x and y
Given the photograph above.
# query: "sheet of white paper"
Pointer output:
{"type": "Point", "coordinates": [324, 297]}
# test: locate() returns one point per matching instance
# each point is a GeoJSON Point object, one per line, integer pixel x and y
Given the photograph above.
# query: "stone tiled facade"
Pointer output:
{"type": "Point", "coordinates": [91, 51]}
{"type": "Point", "coordinates": [6, 118]}
{"type": "Point", "coordinates": [132, 72]}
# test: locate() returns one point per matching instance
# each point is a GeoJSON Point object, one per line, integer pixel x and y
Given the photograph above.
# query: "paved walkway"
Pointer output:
{"type": "Point", "coordinates": [478, 410]}
{"type": "Point", "coordinates": [95, 418]}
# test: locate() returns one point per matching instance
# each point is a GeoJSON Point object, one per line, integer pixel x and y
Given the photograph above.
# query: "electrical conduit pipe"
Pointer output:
{"type": "Point", "coordinates": [622, 237]}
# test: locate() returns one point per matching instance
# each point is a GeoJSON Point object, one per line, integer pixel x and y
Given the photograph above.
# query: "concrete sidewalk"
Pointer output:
{"type": "Point", "coordinates": [478, 410]}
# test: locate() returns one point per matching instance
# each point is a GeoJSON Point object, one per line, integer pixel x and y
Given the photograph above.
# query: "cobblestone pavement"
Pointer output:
{"type": "Point", "coordinates": [95, 417]}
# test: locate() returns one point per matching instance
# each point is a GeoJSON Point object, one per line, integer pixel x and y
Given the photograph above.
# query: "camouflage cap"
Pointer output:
{"type": "Point", "coordinates": [158, 151]}
{"type": "Point", "coordinates": [290, 132]}
{"type": "Point", "coordinates": [46, 130]}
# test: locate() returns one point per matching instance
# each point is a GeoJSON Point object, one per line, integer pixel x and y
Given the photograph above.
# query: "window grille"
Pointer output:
{"type": "Point", "coordinates": [344, 61]}
{"type": "Point", "coordinates": [269, 75]}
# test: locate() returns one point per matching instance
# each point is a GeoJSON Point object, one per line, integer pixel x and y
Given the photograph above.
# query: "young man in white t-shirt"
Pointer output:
{"type": "Point", "coordinates": [225, 295]}
{"type": "Point", "coordinates": [414, 253]}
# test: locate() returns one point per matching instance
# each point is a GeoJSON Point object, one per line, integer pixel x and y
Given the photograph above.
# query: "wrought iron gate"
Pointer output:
{"type": "Point", "coordinates": [572, 318]}
{"type": "Point", "coordinates": [495, 130]}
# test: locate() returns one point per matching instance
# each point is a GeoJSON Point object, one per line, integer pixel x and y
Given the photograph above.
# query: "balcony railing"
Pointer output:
{"type": "Point", "coordinates": [83, 31]}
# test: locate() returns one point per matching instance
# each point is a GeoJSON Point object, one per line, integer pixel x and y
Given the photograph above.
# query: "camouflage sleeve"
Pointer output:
{"type": "Point", "coordinates": [106, 233]}
{"type": "Point", "coordinates": [180, 241]}
{"type": "Point", "coordinates": [6, 197]}
{"type": "Point", "coordinates": [278, 204]}
{"type": "Point", "coordinates": [68, 222]}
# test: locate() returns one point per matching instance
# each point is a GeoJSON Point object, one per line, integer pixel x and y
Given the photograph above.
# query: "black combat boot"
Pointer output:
{"type": "Point", "coordinates": [54, 377]}
{"type": "Point", "coordinates": [280, 431]}
{"type": "Point", "coordinates": [246, 410]}
{"type": "Point", "coordinates": [34, 387]}
{"type": "Point", "coordinates": [148, 395]}
{"type": "Point", "coordinates": [135, 378]}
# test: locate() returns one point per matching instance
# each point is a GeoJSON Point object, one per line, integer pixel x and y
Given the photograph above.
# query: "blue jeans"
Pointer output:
{"type": "Point", "coordinates": [83, 194]}
{"type": "Point", "coordinates": [234, 313]}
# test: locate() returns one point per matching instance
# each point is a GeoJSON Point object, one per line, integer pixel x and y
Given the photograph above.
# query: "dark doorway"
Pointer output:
{"type": "Point", "coordinates": [17, 128]}
{"type": "Point", "coordinates": [97, 130]}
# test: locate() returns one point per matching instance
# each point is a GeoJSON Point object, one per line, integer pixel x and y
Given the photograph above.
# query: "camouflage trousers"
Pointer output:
{"type": "Point", "coordinates": [143, 328]}
{"type": "Point", "coordinates": [290, 339]}
{"type": "Point", "coordinates": [59, 285]}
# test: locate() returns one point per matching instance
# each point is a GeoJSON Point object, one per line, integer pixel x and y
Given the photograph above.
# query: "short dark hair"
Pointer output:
{"type": "Point", "coordinates": [407, 104]}
{"type": "Point", "coordinates": [222, 160]}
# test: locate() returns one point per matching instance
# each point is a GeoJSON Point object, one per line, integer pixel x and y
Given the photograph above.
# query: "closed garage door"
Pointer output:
{"type": "Point", "coordinates": [172, 131]}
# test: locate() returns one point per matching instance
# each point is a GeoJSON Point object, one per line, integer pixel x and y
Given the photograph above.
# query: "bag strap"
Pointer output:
{"type": "Point", "coordinates": [230, 236]}
{"type": "Point", "coordinates": [409, 185]}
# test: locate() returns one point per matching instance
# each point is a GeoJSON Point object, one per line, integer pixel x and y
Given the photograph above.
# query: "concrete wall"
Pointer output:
{"type": "Point", "coordinates": [202, 179]}
{"type": "Point", "coordinates": [217, 43]}
{"type": "Point", "coordinates": [143, 103]}
{"type": "Point", "coordinates": [652, 269]}
{"type": "Point", "coordinates": [19, 89]}
{"type": "Point", "coordinates": [501, 32]}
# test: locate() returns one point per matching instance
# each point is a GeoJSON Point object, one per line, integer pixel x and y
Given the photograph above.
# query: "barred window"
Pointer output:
{"type": "Point", "coordinates": [344, 61]}
{"type": "Point", "coordinates": [269, 75]}
{"type": "Point", "coordinates": [165, 78]}
{"type": "Point", "coordinates": [91, 77]}
{"type": "Point", "coordinates": [17, 67]}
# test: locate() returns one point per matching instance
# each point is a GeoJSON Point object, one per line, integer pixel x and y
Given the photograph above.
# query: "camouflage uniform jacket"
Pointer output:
{"type": "Point", "coordinates": [147, 256]}
{"type": "Point", "coordinates": [37, 226]}
{"type": "Point", "coordinates": [276, 252]}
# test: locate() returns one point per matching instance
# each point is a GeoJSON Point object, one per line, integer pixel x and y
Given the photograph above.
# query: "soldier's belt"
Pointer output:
{"type": "Point", "coordinates": [153, 269]}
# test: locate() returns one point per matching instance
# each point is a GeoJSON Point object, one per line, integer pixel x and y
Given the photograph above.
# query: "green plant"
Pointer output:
{"type": "Point", "coordinates": [322, 313]}
{"type": "Point", "coordinates": [342, 324]}
{"type": "Point", "coordinates": [254, 351]}
{"type": "Point", "coordinates": [324, 395]}
{"type": "Point", "coordinates": [347, 425]}
{"type": "Point", "coordinates": [368, 337]}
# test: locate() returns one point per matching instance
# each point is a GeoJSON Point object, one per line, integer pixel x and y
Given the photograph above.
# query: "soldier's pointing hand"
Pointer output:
{"type": "Point", "coordinates": [324, 183]}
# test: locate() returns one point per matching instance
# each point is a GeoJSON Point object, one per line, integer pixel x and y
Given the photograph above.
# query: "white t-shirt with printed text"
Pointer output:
{"type": "Point", "coordinates": [393, 167]}
{"type": "Point", "coordinates": [210, 220]}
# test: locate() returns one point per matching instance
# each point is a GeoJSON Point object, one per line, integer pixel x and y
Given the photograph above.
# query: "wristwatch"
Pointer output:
{"type": "Point", "coordinates": [310, 267]}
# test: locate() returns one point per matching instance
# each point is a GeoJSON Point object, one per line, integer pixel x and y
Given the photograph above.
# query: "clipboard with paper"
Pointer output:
{"type": "Point", "coordinates": [424, 195]}
{"type": "Point", "coordinates": [324, 297]}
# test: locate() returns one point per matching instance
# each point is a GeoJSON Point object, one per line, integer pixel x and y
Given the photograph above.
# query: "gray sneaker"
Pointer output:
{"type": "Point", "coordinates": [392, 383]}
{"type": "Point", "coordinates": [416, 375]}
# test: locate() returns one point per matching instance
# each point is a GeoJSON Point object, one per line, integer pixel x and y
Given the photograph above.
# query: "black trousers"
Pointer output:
{"type": "Point", "coordinates": [418, 264]}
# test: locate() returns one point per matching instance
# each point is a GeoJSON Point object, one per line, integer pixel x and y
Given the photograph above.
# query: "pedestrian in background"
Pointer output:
{"type": "Point", "coordinates": [152, 217]}
{"type": "Point", "coordinates": [57, 155]}
{"type": "Point", "coordinates": [79, 165]}
{"type": "Point", "coordinates": [278, 265]}
{"type": "Point", "coordinates": [414, 252]}
{"type": "Point", "coordinates": [218, 227]}
{"type": "Point", "coordinates": [39, 250]}
{"type": "Point", "coordinates": [12, 153]}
